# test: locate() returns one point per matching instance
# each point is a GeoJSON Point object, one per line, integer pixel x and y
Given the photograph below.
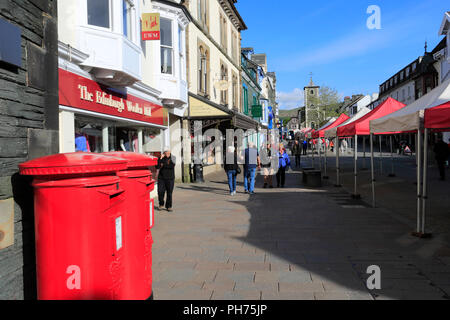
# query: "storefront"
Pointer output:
{"type": "Point", "coordinates": [99, 118]}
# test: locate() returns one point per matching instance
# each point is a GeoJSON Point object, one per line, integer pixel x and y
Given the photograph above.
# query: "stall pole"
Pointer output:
{"type": "Point", "coordinates": [372, 170]}
{"type": "Point", "coordinates": [355, 153]}
{"type": "Point", "coordinates": [392, 174]}
{"type": "Point", "coordinates": [419, 184]}
{"type": "Point", "coordinates": [326, 161]}
{"type": "Point", "coordinates": [338, 180]}
{"type": "Point", "coordinates": [381, 156]}
{"type": "Point", "coordinates": [425, 183]}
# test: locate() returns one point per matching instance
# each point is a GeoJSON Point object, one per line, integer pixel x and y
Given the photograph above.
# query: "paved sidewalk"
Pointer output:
{"type": "Point", "coordinates": [291, 243]}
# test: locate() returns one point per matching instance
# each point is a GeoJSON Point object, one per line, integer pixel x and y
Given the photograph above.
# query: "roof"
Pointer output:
{"type": "Point", "coordinates": [230, 9]}
{"type": "Point", "coordinates": [445, 25]}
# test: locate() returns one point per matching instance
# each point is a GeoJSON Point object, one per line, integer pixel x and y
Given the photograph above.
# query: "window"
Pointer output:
{"type": "Point", "coordinates": [409, 92]}
{"type": "Point", "coordinates": [233, 45]}
{"type": "Point", "coordinates": [181, 52]}
{"type": "Point", "coordinates": [202, 71]}
{"type": "Point", "coordinates": [202, 12]}
{"type": "Point", "coordinates": [234, 91]}
{"type": "Point", "coordinates": [98, 13]}
{"type": "Point", "coordinates": [245, 99]}
{"type": "Point", "coordinates": [223, 32]}
{"type": "Point", "coordinates": [407, 72]}
{"type": "Point", "coordinates": [166, 46]}
{"type": "Point", "coordinates": [224, 76]}
{"type": "Point", "coordinates": [403, 94]}
{"type": "Point", "coordinates": [414, 66]}
{"type": "Point", "coordinates": [401, 76]}
{"type": "Point", "coordinates": [127, 19]}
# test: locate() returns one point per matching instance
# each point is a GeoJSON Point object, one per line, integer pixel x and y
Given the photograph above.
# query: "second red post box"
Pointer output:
{"type": "Point", "coordinates": [137, 182]}
{"type": "Point", "coordinates": [78, 226]}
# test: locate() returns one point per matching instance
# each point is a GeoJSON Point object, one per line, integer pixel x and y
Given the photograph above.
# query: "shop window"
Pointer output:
{"type": "Point", "coordinates": [88, 136]}
{"type": "Point", "coordinates": [166, 46]}
{"type": "Point", "coordinates": [98, 13]}
{"type": "Point", "coordinates": [127, 139]}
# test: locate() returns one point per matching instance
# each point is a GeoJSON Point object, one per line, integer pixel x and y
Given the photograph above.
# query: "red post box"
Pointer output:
{"type": "Point", "coordinates": [78, 226]}
{"type": "Point", "coordinates": [137, 182]}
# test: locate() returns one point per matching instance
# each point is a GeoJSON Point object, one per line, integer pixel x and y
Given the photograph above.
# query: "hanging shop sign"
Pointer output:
{"type": "Point", "coordinates": [150, 26]}
{"type": "Point", "coordinates": [257, 111]}
{"type": "Point", "coordinates": [82, 93]}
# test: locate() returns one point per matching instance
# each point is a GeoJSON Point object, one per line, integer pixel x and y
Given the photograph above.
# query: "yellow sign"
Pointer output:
{"type": "Point", "coordinates": [150, 26]}
{"type": "Point", "coordinates": [201, 109]}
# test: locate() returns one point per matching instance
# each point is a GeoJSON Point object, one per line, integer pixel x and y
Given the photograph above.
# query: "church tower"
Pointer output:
{"type": "Point", "coordinates": [311, 94]}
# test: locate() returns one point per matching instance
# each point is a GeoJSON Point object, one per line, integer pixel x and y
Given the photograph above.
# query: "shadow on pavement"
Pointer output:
{"type": "Point", "coordinates": [328, 242]}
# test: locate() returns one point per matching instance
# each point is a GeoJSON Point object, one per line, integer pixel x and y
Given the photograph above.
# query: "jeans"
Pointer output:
{"type": "Point", "coordinates": [249, 174]}
{"type": "Point", "coordinates": [297, 160]}
{"type": "Point", "coordinates": [165, 186]}
{"type": "Point", "coordinates": [281, 176]}
{"type": "Point", "coordinates": [232, 180]}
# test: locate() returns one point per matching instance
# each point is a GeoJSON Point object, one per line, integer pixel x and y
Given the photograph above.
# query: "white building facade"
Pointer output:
{"type": "Point", "coordinates": [116, 90]}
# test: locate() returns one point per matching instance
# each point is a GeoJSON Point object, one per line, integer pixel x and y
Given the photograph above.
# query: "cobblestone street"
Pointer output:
{"type": "Point", "coordinates": [291, 243]}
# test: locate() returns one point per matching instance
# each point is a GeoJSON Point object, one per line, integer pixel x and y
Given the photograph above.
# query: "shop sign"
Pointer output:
{"type": "Point", "coordinates": [257, 111]}
{"type": "Point", "coordinates": [79, 92]}
{"type": "Point", "coordinates": [150, 26]}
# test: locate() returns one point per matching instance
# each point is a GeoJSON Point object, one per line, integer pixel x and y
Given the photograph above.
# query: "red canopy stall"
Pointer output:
{"type": "Point", "coordinates": [362, 127]}
{"type": "Point", "coordinates": [438, 117]}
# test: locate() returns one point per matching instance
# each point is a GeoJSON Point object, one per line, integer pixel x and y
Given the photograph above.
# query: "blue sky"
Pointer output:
{"type": "Point", "coordinates": [331, 40]}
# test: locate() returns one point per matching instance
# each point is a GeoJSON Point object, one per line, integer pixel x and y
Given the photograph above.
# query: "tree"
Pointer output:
{"type": "Point", "coordinates": [327, 105]}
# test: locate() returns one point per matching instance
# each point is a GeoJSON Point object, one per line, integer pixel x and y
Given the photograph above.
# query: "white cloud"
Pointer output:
{"type": "Point", "coordinates": [290, 100]}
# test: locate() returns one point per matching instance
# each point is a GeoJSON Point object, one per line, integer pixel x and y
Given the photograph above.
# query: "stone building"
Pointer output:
{"type": "Point", "coordinates": [28, 129]}
{"type": "Point", "coordinates": [312, 113]}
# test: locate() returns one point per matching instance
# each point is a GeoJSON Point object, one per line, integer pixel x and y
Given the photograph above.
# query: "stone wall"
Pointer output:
{"type": "Point", "coordinates": [28, 129]}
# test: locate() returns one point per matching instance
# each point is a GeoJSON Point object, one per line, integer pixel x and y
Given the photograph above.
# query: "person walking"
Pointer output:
{"type": "Point", "coordinates": [252, 161]}
{"type": "Point", "coordinates": [331, 145]}
{"type": "Point", "coordinates": [441, 153]}
{"type": "Point", "coordinates": [297, 151]}
{"type": "Point", "coordinates": [283, 163]}
{"type": "Point", "coordinates": [267, 168]}
{"type": "Point", "coordinates": [166, 179]}
{"type": "Point", "coordinates": [232, 168]}
{"type": "Point", "coordinates": [305, 147]}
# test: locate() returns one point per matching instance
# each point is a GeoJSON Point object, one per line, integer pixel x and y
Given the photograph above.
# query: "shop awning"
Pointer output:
{"type": "Point", "coordinates": [438, 117]}
{"type": "Point", "coordinates": [331, 133]}
{"type": "Point", "coordinates": [361, 126]}
{"type": "Point", "coordinates": [241, 121]}
{"type": "Point", "coordinates": [410, 118]}
{"type": "Point", "coordinates": [202, 108]}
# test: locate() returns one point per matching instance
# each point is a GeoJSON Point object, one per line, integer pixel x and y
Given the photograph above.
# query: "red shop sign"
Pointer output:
{"type": "Point", "coordinates": [78, 92]}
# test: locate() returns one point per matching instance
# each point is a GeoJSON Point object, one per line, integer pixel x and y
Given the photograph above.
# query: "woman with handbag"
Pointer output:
{"type": "Point", "coordinates": [231, 168]}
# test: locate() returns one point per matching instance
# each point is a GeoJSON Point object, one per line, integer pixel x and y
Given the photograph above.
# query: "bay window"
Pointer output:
{"type": "Point", "coordinates": [98, 13]}
{"type": "Point", "coordinates": [166, 46]}
{"type": "Point", "coordinates": [127, 19]}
